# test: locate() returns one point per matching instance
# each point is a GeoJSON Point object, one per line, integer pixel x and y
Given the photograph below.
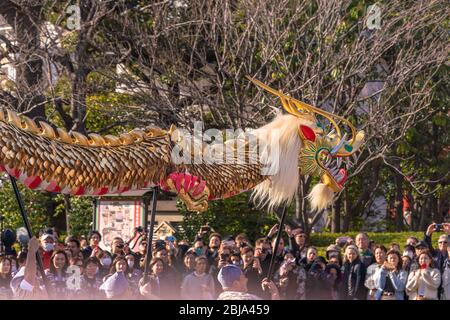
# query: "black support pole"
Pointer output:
{"type": "Point", "coordinates": [94, 214]}
{"type": "Point", "coordinates": [148, 255]}
{"type": "Point", "coordinates": [30, 234]}
{"type": "Point", "coordinates": [146, 201]}
{"type": "Point", "coordinates": [277, 242]}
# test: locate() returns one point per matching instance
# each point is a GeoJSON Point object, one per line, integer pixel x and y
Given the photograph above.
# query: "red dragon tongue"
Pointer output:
{"type": "Point", "coordinates": [343, 172]}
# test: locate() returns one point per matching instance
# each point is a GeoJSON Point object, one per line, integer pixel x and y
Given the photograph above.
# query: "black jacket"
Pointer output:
{"type": "Point", "coordinates": [352, 286]}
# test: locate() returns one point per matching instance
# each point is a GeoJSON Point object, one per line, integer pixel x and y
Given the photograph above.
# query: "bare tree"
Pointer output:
{"type": "Point", "coordinates": [181, 61]}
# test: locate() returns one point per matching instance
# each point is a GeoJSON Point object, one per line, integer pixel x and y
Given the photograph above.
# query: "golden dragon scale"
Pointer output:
{"type": "Point", "coordinates": [54, 160]}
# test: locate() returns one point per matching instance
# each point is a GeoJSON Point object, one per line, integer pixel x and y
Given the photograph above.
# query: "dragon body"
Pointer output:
{"type": "Point", "coordinates": [55, 160]}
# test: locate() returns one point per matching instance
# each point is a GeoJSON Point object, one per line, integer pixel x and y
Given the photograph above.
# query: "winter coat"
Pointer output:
{"type": "Point", "coordinates": [429, 282]}
{"type": "Point", "coordinates": [352, 286]}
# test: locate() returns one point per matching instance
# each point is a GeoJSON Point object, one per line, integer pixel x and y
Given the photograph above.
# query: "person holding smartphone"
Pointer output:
{"type": "Point", "coordinates": [252, 270]}
{"type": "Point", "coordinates": [423, 283]}
{"type": "Point", "coordinates": [390, 278]}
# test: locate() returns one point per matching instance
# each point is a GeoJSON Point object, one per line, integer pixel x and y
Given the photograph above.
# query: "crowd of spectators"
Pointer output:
{"type": "Point", "coordinates": [232, 267]}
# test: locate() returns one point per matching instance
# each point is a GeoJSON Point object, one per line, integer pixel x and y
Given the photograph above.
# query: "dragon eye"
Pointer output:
{"type": "Point", "coordinates": [323, 156]}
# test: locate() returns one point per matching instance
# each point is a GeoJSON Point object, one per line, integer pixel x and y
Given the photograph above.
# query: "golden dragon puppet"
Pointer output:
{"type": "Point", "coordinates": [54, 160]}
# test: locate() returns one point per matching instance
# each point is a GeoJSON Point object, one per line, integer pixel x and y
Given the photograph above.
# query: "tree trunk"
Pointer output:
{"type": "Point", "coordinates": [298, 206]}
{"type": "Point", "coordinates": [28, 64]}
{"type": "Point", "coordinates": [423, 216]}
{"type": "Point", "coordinates": [398, 202]}
{"type": "Point", "coordinates": [303, 189]}
{"type": "Point", "coordinates": [336, 216]}
{"type": "Point", "coordinates": [435, 214]}
{"type": "Point", "coordinates": [67, 209]}
{"type": "Point", "coordinates": [347, 213]}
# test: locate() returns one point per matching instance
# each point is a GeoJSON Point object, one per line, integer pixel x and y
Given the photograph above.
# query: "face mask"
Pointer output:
{"type": "Point", "coordinates": [130, 264]}
{"type": "Point", "coordinates": [199, 251]}
{"type": "Point", "coordinates": [106, 262]}
{"type": "Point", "coordinates": [48, 246]}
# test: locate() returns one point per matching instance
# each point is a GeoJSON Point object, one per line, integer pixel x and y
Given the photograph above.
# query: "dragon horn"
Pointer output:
{"type": "Point", "coordinates": [290, 104]}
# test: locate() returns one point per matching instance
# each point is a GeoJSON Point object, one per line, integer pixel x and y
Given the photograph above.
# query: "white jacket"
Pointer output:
{"type": "Point", "coordinates": [430, 279]}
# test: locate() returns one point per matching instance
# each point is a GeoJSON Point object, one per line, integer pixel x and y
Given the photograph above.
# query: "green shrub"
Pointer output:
{"type": "Point", "coordinates": [323, 240]}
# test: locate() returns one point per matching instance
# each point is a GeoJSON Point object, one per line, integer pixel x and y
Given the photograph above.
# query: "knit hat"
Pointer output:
{"type": "Point", "coordinates": [421, 244]}
{"type": "Point", "coordinates": [229, 274]}
{"type": "Point", "coordinates": [115, 285]}
{"type": "Point", "coordinates": [333, 247]}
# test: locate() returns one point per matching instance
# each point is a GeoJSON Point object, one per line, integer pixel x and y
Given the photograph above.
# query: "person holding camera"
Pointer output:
{"type": "Point", "coordinates": [252, 269]}
{"type": "Point", "coordinates": [423, 283]}
{"type": "Point", "coordinates": [440, 254]}
{"type": "Point", "coordinates": [390, 279]}
{"type": "Point", "coordinates": [118, 247]}
{"type": "Point", "coordinates": [297, 241]}
{"type": "Point", "coordinates": [290, 278]}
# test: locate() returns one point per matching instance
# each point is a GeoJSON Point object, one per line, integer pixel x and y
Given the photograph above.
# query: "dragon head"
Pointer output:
{"type": "Point", "coordinates": [323, 155]}
{"type": "Point", "coordinates": [326, 156]}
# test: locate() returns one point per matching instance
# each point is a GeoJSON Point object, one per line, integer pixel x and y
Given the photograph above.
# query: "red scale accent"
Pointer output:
{"type": "Point", "coordinates": [122, 189]}
{"type": "Point", "coordinates": [78, 191]}
{"type": "Point", "coordinates": [33, 182]}
{"type": "Point", "coordinates": [53, 187]}
{"type": "Point", "coordinates": [101, 191]}
{"type": "Point", "coordinates": [14, 172]}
